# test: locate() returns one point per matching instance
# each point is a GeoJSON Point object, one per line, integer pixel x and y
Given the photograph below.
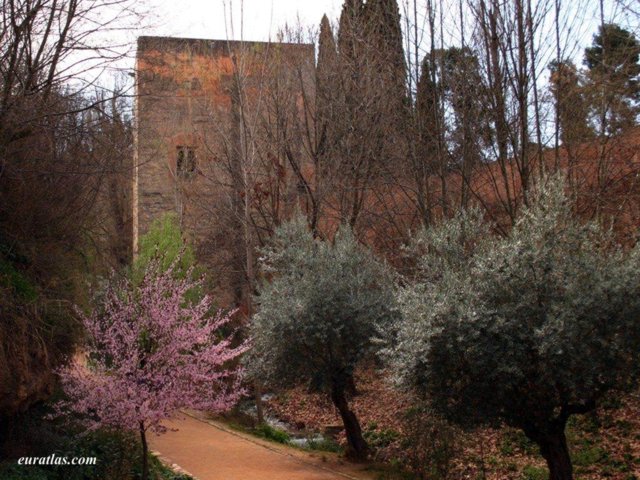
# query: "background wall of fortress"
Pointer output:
{"type": "Point", "coordinates": [204, 128]}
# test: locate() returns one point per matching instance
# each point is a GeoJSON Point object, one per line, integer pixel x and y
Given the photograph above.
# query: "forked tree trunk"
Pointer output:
{"type": "Point", "coordinates": [357, 446]}
{"type": "Point", "coordinates": [145, 453]}
{"type": "Point", "coordinates": [553, 447]}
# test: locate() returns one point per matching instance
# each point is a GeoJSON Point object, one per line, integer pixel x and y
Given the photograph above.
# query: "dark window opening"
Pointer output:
{"type": "Point", "coordinates": [186, 162]}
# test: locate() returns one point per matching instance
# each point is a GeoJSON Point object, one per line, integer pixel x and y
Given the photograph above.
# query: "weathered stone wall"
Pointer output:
{"type": "Point", "coordinates": [205, 95]}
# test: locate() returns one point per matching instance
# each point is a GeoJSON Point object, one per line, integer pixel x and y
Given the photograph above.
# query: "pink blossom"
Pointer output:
{"type": "Point", "coordinates": [151, 352]}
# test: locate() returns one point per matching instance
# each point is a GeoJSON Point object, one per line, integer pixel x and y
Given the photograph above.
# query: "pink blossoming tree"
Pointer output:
{"type": "Point", "coordinates": [149, 353]}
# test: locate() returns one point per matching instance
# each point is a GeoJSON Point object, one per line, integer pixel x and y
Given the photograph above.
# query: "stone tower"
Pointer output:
{"type": "Point", "coordinates": [193, 101]}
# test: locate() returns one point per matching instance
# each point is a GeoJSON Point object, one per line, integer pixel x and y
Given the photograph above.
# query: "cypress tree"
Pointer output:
{"type": "Point", "coordinates": [387, 79]}
{"type": "Point", "coordinates": [350, 32]}
{"type": "Point", "coordinates": [327, 62]}
{"type": "Point", "coordinates": [428, 111]}
{"type": "Point", "coordinates": [383, 34]}
{"type": "Point", "coordinates": [328, 91]}
{"type": "Point", "coordinates": [573, 108]}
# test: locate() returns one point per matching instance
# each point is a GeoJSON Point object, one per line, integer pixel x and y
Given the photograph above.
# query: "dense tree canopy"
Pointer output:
{"type": "Point", "coordinates": [527, 329]}
{"type": "Point", "coordinates": [318, 314]}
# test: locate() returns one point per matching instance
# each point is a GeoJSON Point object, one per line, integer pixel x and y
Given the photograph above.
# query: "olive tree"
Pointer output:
{"type": "Point", "coordinates": [318, 315]}
{"type": "Point", "coordinates": [526, 329]}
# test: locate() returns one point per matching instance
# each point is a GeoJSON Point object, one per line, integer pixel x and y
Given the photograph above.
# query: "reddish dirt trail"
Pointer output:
{"type": "Point", "coordinates": [209, 451]}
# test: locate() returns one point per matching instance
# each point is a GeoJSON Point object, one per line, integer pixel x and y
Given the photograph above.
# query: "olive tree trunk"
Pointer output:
{"type": "Point", "coordinates": [555, 451]}
{"type": "Point", "coordinates": [357, 446]}
{"type": "Point", "coordinates": [553, 447]}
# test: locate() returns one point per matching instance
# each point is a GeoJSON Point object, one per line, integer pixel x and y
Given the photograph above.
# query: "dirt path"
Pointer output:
{"type": "Point", "coordinates": [209, 451]}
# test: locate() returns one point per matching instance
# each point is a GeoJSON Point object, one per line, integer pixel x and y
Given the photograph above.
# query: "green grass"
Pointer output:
{"type": "Point", "coordinates": [324, 445]}
{"type": "Point", "coordinates": [379, 437]}
{"type": "Point", "coordinates": [242, 423]}
{"type": "Point", "coordinates": [529, 472]}
{"type": "Point", "coordinates": [392, 471]}
{"type": "Point", "coordinates": [588, 456]}
{"type": "Point", "coordinates": [516, 441]}
{"type": "Point", "coordinates": [162, 472]}
{"type": "Point", "coordinates": [271, 433]}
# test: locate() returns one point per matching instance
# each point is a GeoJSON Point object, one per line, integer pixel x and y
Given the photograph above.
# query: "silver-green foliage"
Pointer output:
{"type": "Point", "coordinates": [525, 329]}
{"type": "Point", "coordinates": [320, 308]}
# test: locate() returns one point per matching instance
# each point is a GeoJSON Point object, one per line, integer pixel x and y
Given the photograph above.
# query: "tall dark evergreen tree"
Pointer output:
{"type": "Point", "coordinates": [432, 159]}
{"type": "Point", "coordinates": [387, 80]}
{"type": "Point", "coordinates": [327, 53]}
{"type": "Point", "coordinates": [428, 111]}
{"type": "Point", "coordinates": [327, 75]}
{"type": "Point", "coordinates": [471, 130]}
{"type": "Point", "coordinates": [368, 134]}
{"type": "Point", "coordinates": [614, 70]}
{"type": "Point", "coordinates": [350, 33]}
{"type": "Point", "coordinates": [351, 51]}
{"type": "Point", "coordinates": [383, 35]}
{"type": "Point", "coordinates": [329, 98]}
{"type": "Point", "coordinates": [573, 109]}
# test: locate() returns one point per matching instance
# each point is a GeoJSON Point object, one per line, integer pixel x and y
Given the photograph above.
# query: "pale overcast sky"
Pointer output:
{"type": "Point", "coordinates": [211, 19]}
{"type": "Point", "coordinates": [262, 18]}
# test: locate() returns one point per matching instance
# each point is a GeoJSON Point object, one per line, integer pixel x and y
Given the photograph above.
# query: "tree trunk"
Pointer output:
{"type": "Point", "coordinates": [145, 450]}
{"type": "Point", "coordinates": [553, 447]}
{"type": "Point", "coordinates": [257, 388]}
{"type": "Point", "coordinates": [357, 446]}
